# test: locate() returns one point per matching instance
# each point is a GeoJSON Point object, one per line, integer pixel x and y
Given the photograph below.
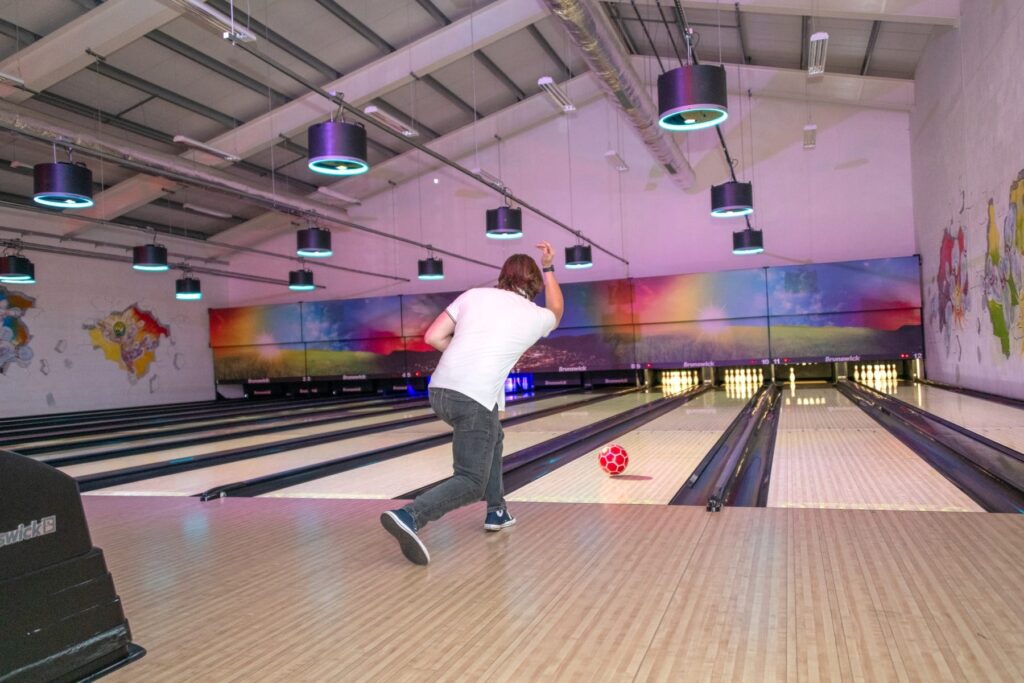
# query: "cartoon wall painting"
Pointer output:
{"type": "Point", "coordinates": [14, 333]}
{"type": "Point", "coordinates": [1004, 272]}
{"type": "Point", "coordinates": [129, 338]}
{"type": "Point", "coordinates": [953, 284]}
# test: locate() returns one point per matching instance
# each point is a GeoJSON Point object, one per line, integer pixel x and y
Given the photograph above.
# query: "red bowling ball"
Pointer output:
{"type": "Point", "coordinates": [613, 459]}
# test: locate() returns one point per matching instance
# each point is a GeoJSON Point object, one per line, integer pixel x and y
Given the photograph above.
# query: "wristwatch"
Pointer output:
{"type": "Point", "coordinates": [548, 269]}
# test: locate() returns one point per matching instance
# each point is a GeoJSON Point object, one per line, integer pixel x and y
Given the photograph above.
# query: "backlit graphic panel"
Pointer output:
{"type": "Point", "coordinates": [692, 344]}
{"type": "Point", "coordinates": [873, 285]}
{"type": "Point", "coordinates": [352, 319]}
{"type": "Point", "coordinates": [270, 361]}
{"type": "Point", "coordinates": [419, 310]}
{"type": "Point", "coordinates": [700, 296]}
{"type": "Point", "coordinates": [593, 304]}
{"type": "Point", "coordinates": [249, 325]}
{"type": "Point", "coordinates": [578, 349]}
{"type": "Point", "coordinates": [879, 334]}
{"type": "Point", "coordinates": [383, 357]}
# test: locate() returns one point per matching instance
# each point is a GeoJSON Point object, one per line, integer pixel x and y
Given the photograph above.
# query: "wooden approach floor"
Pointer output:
{"type": "Point", "coordinates": [314, 590]}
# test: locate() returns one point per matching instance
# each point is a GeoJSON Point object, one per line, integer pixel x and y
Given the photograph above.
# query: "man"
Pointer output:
{"type": "Point", "coordinates": [482, 334]}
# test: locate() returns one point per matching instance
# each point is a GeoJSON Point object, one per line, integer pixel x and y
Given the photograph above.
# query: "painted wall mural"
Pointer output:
{"type": "Point", "coordinates": [14, 333]}
{"type": "Point", "coordinates": [1004, 272]}
{"type": "Point", "coordinates": [952, 298]}
{"type": "Point", "coordinates": [129, 338]}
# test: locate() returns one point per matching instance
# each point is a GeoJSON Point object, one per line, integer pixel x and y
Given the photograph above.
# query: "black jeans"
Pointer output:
{"type": "Point", "coordinates": [476, 451]}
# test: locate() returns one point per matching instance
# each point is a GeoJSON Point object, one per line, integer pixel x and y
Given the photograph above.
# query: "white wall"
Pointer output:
{"type": "Point", "coordinates": [967, 150]}
{"type": "Point", "coordinates": [66, 373]}
{"type": "Point", "coordinates": [849, 198]}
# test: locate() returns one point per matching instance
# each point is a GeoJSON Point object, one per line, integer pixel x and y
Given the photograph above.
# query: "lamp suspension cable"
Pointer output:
{"type": "Point", "coordinates": [666, 24]}
{"type": "Point", "coordinates": [687, 32]}
{"type": "Point", "coordinates": [356, 112]}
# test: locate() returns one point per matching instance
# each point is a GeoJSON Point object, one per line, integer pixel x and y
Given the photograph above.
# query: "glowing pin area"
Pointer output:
{"type": "Point", "coordinates": [675, 382]}
{"type": "Point", "coordinates": [882, 377]}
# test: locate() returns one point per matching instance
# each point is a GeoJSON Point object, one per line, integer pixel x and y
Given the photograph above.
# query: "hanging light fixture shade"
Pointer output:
{"type": "Point", "coordinates": [578, 256]}
{"type": "Point", "coordinates": [31, 279]}
{"type": "Point", "coordinates": [16, 269]}
{"type": "Point", "coordinates": [301, 280]}
{"type": "Point", "coordinates": [747, 241]}
{"type": "Point", "coordinates": [150, 257]}
{"type": "Point", "coordinates": [314, 242]}
{"type": "Point", "coordinates": [732, 199]}
{"type": "Point", "coordinates": [337, 148]}
{"type": "Point", "coordinates": [62, 185]}
{"type": "Point", "coordinates": [692, 97]}
{"type": "Point", "coordinates": [431, 268]}
{"type": "Point", "coordinates": [188, 288]}
{"type": "Point", "coordinates": [504, 223]}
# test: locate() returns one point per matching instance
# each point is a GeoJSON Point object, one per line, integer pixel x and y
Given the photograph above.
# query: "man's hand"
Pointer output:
{"type": "Point", "coordinates": [547, 254]}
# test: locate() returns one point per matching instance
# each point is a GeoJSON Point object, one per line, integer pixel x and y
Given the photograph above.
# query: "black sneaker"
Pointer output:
{"type": "Point", "coordinates": [401, 525]}
{"type": "Point", "coordinates": [498, 520]}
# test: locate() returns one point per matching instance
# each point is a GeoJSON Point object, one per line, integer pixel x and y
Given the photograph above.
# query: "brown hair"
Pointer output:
{"type": "Point", "coordinates": [520, 273]}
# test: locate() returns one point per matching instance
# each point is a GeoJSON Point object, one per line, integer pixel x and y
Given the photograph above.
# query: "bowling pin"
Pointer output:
{"type": "Point", "coordinates": [792, 375]}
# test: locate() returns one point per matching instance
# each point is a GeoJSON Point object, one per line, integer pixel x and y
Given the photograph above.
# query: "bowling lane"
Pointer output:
{"type": "Point", "coordinates": [243, 422]}
{"type": "Point", "coordinates": [394, 477]}
{"type": "Point", "coordinates": [662, 454]}
{"type": "Point", "coordinates": [197, 481]}
{"type": "Point", "coordinates": [1002, 423]}
{"type": "Point", "coordinates": [161, 455]}
{"type": "Point", "coordinates": [830, 454]}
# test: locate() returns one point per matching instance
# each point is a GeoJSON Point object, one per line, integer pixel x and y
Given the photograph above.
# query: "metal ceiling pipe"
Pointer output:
{"type": "Point", "coordinates": [588, 27]}
{"type": "Point", "coordinates": [117, 258]}
{"type": "Point", "coordinates": [21, 120]}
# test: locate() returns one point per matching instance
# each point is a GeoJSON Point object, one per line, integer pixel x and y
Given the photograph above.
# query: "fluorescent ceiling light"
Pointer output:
{"type": "Point", "coordinates": [334, 194]}
{"type": "Point", "coordinates": [203, 147]}
{"type": "Point", "coordinates": [617, 162]}
{"type": "Point", "coordinates": [816, 54]}
{"type": "Point", "coordinates": [10, 79]}
{"type": "Point", "coordinates": [390, 121]}
{"type": "Point", "coordinates": [810, 136]}
{"type": "Point", "coordinates": [489, 177]}
{"type": "Point", "coordinates": [209, 212]}
{"type": "Point", "coordinates": [228, 29]}
{"type": "Point", "coordinates": [555, 92]}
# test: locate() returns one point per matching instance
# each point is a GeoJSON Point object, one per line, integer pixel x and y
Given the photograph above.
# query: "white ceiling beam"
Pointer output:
{"type": "Point", "coordinates": [510, 121]}
{"type": "Point", "coordinates": [62, 53]}
{"type": "Point", "coordinates": [859, 91]}
{"type": "Point", "coordinates": [430, 53]}
{"type": "Point", "coordinates": [937, 12]}
{"type": "Point", "coordinates": [870, 92]}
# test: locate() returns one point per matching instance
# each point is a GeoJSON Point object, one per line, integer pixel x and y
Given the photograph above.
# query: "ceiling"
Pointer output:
{"type": "Point", "coordinates": [180, 78]}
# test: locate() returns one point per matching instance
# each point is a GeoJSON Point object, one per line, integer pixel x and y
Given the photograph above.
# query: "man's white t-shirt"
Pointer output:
{"type": "Point", "coordinates": [493, 327]}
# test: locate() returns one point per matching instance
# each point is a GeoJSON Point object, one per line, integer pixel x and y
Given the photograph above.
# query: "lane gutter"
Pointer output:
{"type": "Point", "coordinates": [970, 464]}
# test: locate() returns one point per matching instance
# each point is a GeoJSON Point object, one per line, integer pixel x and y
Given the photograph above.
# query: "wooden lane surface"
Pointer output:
{"type": "Point", "coordinates": [394, 477]}
{"type": "Point", "coordinates": [314, 590]}
{"type": "Point", "coordinates": [296, 423]}
{"type": "Point", "coordinates": [82, 469]}
{"type": "Point", "coordinates": [308, 412]}
{"type": "Point", "coordinates": [196, 481]}
{"type": "Point", "coordinates": [1002, 423]}
{"type": "Point", "coordinates": [833, 455]}
{"type": "Point", "coordinates": [662, 454]}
